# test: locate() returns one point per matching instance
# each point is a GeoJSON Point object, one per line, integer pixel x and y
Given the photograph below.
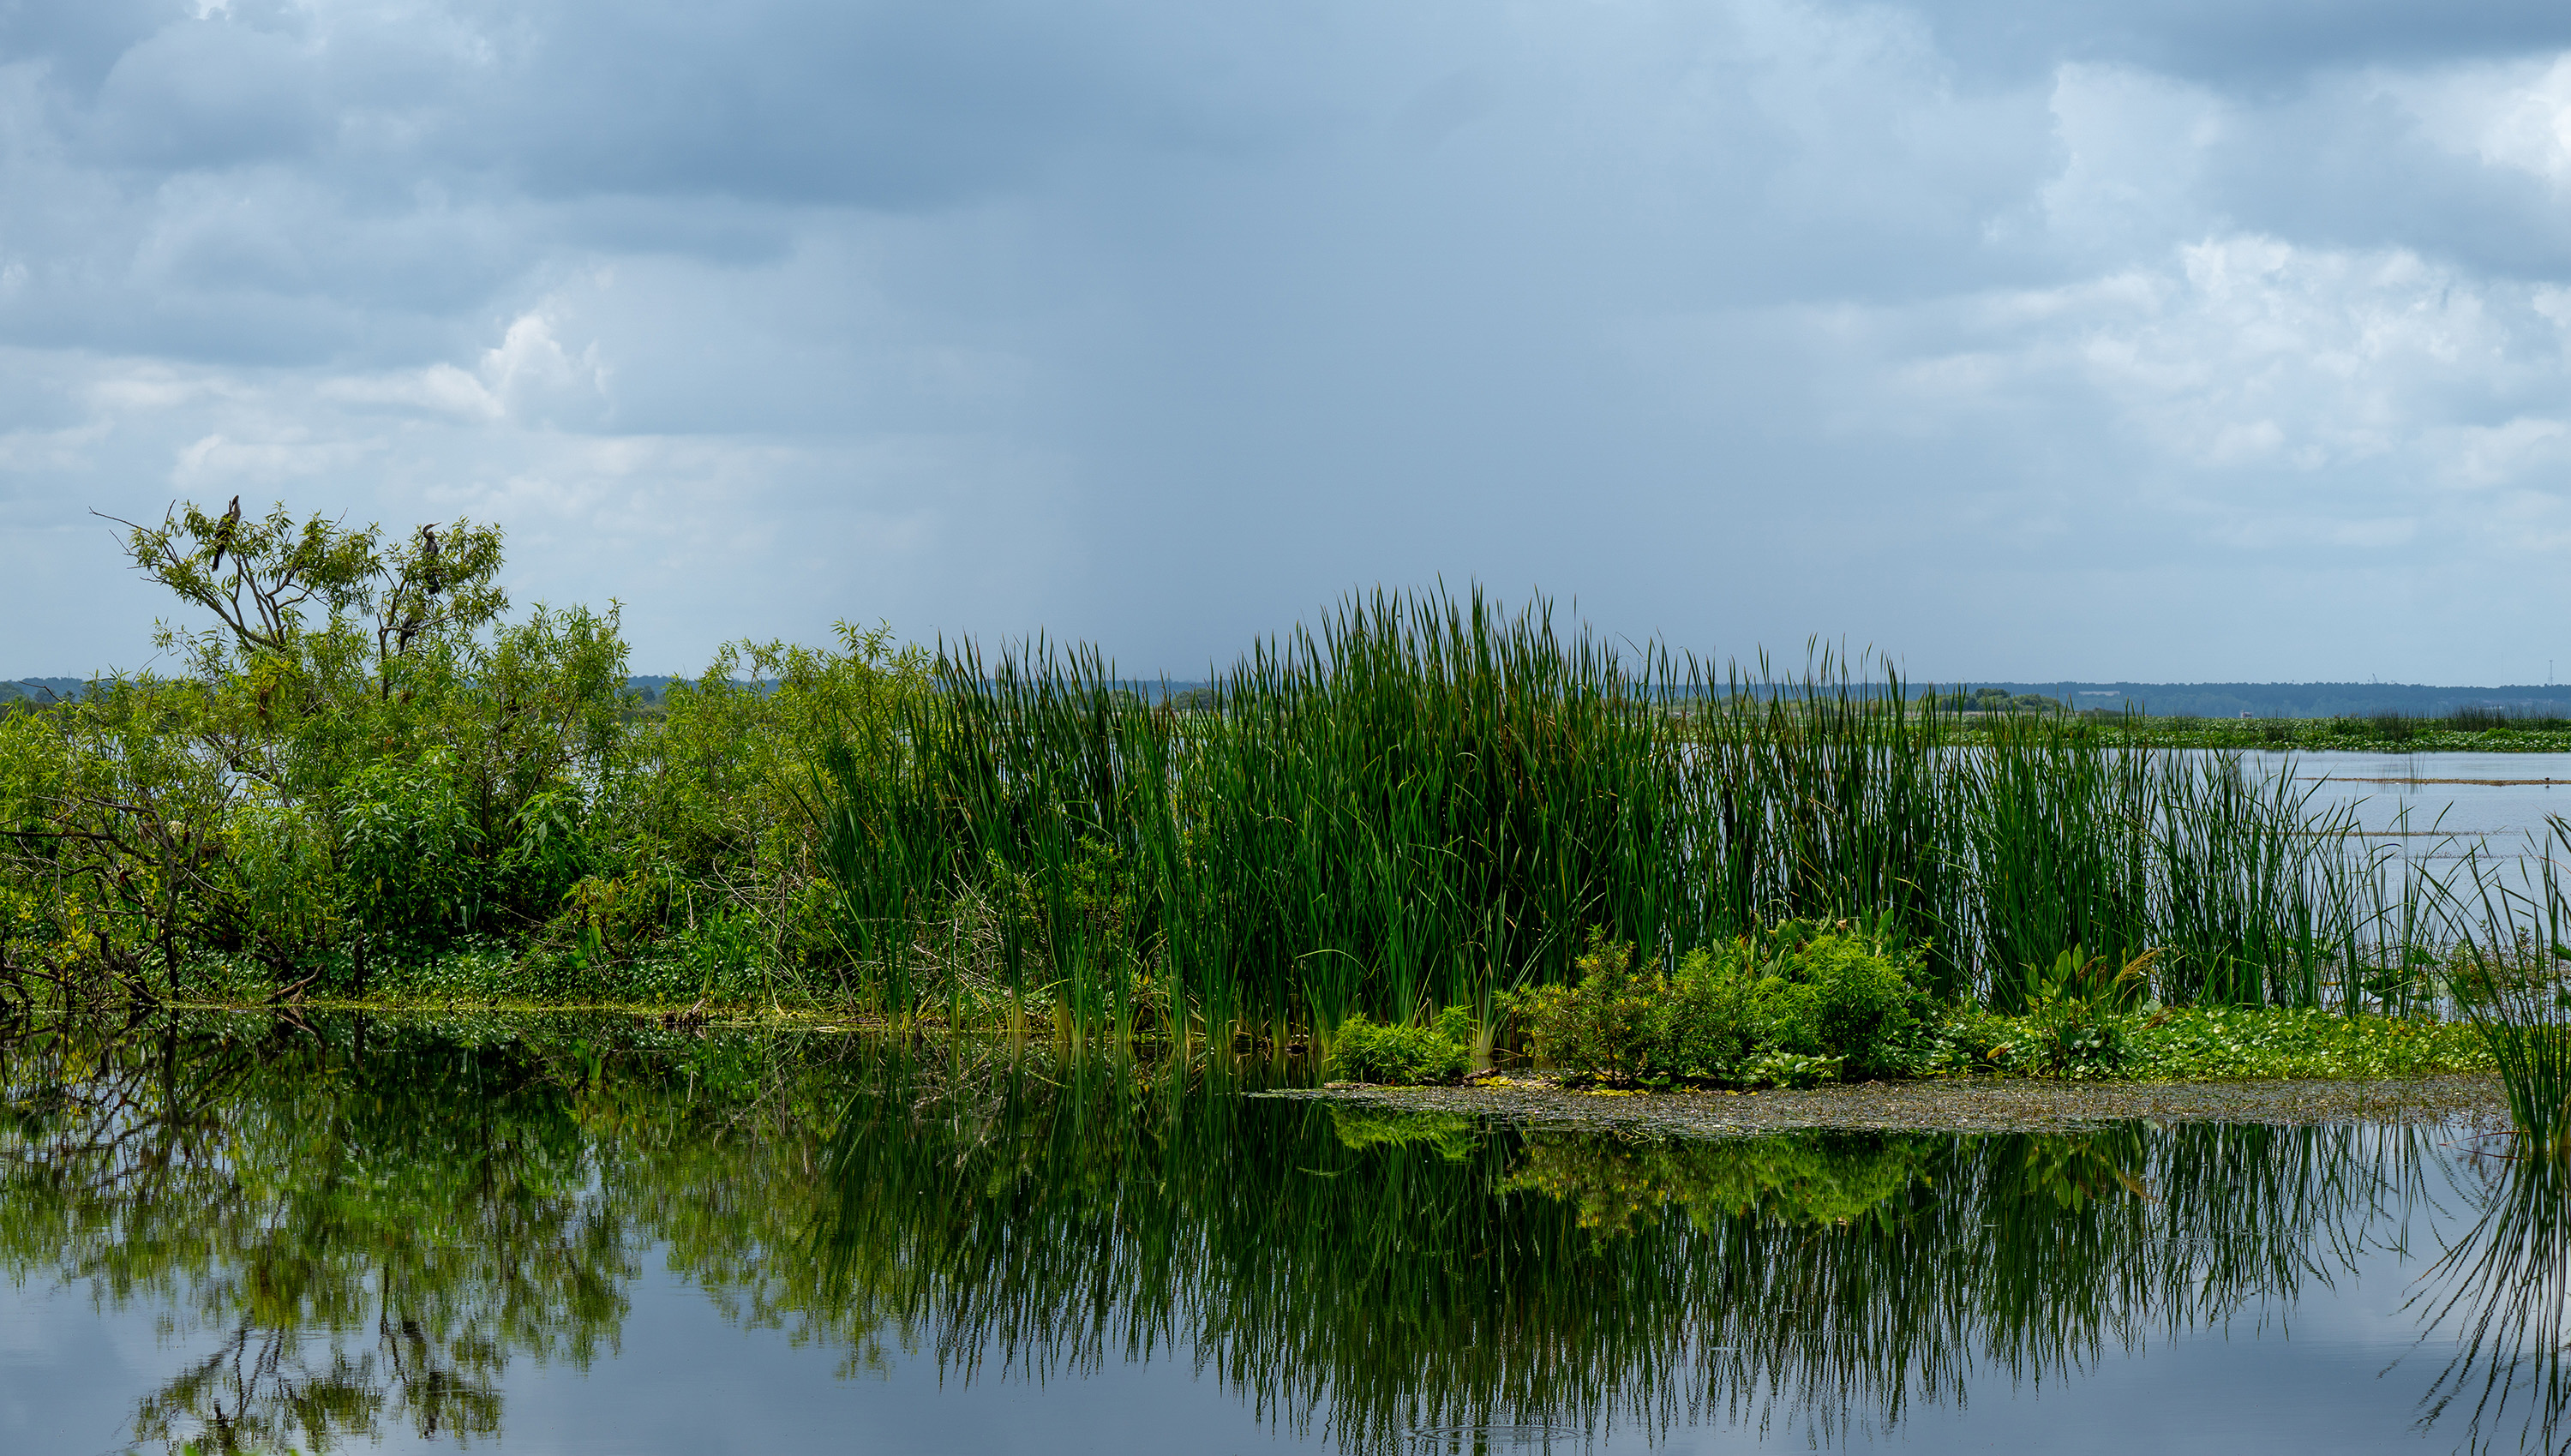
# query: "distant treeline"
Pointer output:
{"type": "Point", "coordinates": [2158, 699]}
{"type": "Point", "coordinates": [40, 689]}
{"type": "Point", "coordinates": [2296, 700]}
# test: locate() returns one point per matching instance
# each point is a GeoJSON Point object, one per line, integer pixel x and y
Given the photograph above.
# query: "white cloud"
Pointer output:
{"type": "Point", "coordinates": [536, 379]}
{"type": "Point", "coordinates": [2514, 115]}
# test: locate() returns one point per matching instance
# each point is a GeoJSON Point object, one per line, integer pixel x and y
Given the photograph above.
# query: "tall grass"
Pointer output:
{"type": "Point", "coordinates": [1428, 801]}
{"type": "Point", "coordinates": [2512, 975]}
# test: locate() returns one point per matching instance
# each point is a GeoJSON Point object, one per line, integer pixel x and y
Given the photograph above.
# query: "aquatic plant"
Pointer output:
{"type": "Point", "coordinates": [1788, 1006]}
{"type": "Point", "coordinates": [1362, 1051]}
{"type": "Point", "coordinates": [1427, 802]}
{"type": "Point", "coordinates": [2510, 974]}
{"type": "Point", "coordinates": [384, 789]}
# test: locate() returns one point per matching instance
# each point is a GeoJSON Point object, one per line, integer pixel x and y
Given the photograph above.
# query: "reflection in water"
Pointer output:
{"type": "Point", "coordinates": [2499, 1290]}
{"type": "Point", "coordinates": [359, 1229]}
{"type": "Point", "coordinates": [367, 1234]}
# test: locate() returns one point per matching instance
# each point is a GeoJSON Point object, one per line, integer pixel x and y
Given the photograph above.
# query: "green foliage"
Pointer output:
{"type": "Point", "coordinates": [2074, 1012]}
{"type": "Point", "coordinates": [1796, 1008]}
{"type": "Point", "coordinates": [2208, 1043]}
{"type": "Point", "coordinates": [1792, 1005]}
{"type": "Point", "coordinates": [359, 760]}
{"type": "Point", "coordinates": [1362, 1051]}
{"type": "Point", "coordinates": [411, 851]}
{"type": "Point", "coordinates": [367, 763]}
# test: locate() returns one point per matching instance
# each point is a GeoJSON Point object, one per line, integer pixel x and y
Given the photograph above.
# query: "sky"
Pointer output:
{"type": "Point", "coordinates": [2208, 339]}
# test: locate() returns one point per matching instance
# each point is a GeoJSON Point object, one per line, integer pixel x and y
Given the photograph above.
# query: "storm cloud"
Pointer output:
{"type": "Point", "coordinates": [2185, 341]}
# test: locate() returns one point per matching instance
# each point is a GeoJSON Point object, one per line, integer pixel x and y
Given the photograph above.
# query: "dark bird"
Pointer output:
{"type": "Point", "coordinates": [223, 530]}
{"type": "Point", "coordinates": [408, 630]}
{"type": "Point", "coordinates": [428, 559]}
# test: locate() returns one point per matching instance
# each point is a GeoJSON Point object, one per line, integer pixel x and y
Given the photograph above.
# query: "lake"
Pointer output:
{"type": "Point", "coordinates": [2493, 798]}
{"type": "Point", "coordinates": [559, 1234]}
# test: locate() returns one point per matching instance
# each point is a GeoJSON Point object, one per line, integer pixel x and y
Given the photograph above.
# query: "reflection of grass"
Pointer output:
{"type": "Point", "coordinates": [2504, 1289]}
{"type": "Point", "coordinates": [1801, 1178]}
{"type": "Point", "coordinates": [1360, 1128]}
{"type": "Point", "coordinates": [1011, 1213]}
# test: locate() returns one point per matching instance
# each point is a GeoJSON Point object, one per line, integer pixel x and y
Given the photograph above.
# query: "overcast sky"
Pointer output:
{"type": "Point", "coordinates": [2196, 340]}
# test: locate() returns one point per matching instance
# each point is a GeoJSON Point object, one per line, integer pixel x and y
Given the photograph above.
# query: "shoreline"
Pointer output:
{"type": "Point", "coordinates": [1946, 1104]}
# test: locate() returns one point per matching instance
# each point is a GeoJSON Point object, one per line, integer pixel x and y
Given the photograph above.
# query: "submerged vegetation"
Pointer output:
{"type": "Point", "coordinates": [367, 780]}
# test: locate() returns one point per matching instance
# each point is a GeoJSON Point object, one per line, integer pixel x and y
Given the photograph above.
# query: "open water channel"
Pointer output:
{"type": "Point", "coordinates": [2435, 803]}
{"type": "Point", "coordinates": [585, 1237]}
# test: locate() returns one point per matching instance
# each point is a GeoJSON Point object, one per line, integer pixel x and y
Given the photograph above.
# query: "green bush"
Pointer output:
{"type": "Point", "coordinates": [1791, 1006]}
{"type": "Point", "coordinates": [1366, 1051]}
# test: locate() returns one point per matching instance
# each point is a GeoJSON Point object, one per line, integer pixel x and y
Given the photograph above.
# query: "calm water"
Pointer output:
{"type": "Point", "coordinates": [2494, 798]}
{"type": "Point", "coordinates": [570, 1237]}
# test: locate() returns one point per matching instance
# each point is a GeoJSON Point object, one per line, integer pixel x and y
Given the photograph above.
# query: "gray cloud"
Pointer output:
{"type": "Point", "coordinates": [2033, 341]}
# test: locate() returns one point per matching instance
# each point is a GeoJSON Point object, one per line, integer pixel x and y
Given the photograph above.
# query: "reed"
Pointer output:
{"type": "Point", "coordinates": [1426, 801]}
{"type": "Point", "coordinates": [2511, 973]}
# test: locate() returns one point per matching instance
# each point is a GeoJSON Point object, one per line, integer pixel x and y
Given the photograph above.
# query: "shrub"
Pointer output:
{"type": "Point", "coordinates": [1366, 1051]}
{"type": "Point", "coordinates": [2075, 1016]}
{"type": "Point", "coordinates": [1787, 1006]}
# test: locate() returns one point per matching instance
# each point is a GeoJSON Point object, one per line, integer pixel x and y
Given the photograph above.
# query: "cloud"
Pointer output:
{"type": "Point", "coordinates": [530, 376]}
{"type": "Point", "coordinates": [1165, 323]}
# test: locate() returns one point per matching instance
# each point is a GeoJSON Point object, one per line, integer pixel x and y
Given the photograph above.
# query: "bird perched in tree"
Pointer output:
{"type": "Point", "coordinates": [428, 582]}
{"type": "Point", "coordinates": [223, 530]}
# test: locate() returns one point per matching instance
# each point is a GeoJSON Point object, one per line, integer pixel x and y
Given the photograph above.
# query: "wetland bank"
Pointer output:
{"type": "Point", "coordinates": [1036, 1202]}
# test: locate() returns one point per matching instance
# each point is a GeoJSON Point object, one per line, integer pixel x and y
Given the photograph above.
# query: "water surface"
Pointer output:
{"type": "Point", "coordinates": [2496, 799]}
{"type": "Point", "coordinates": [579, 1237]}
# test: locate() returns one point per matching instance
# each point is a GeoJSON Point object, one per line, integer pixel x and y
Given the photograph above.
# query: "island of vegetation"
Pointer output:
{"type": "Point", "coordinates": [1422, 833]}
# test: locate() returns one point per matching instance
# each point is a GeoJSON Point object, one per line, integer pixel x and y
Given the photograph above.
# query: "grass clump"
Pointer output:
{"type": "Point", "coordinates": [2516, 992]}
{"type": "Point", "coordinates": [1368, 1051]}
{"type": "Point", "coordinates": [1803, 1003]}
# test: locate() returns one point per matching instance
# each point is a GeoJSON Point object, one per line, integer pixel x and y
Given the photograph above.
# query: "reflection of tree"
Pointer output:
{"type": "Point", "coordinates": [369, 1231]}
{"type": "Point", "coordinates": [360, 1228]}
{"type": "Point", "coordinates": [2501, 1289]}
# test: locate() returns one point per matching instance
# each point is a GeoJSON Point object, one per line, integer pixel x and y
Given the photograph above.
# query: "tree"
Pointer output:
{"type": "Point", "coordinates": [355, 749]}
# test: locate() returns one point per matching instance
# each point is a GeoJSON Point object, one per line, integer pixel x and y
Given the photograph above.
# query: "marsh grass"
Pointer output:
{"type": "Point", "coordinates": [2509, 973]}
{"type": "Point", "coordinates": [1427, 802]}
